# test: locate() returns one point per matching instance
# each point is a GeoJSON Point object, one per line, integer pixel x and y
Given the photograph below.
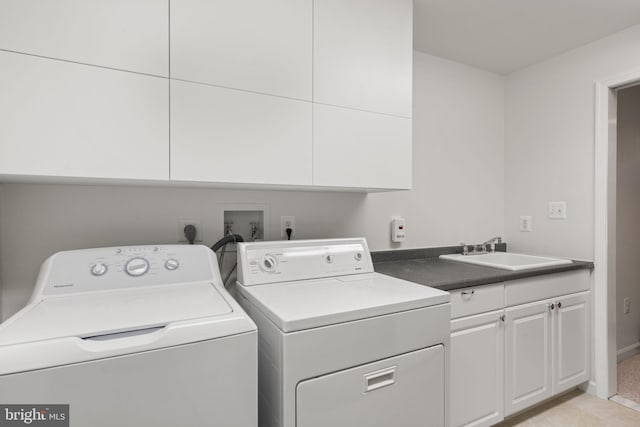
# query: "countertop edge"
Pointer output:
{"type": "Point", "coordinates": [506, 275]}
{"type": "Point", "coordinates": [432, 271]}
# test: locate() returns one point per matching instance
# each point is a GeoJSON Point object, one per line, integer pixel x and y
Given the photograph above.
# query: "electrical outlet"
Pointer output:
{"type": "Point", "coordinates": [182, 223]}
{"type": "Point", "coordinates": [287, 222]}
{"type": "Point", "coordinates": [558, 210]}
{"type": "Point", "coordinates": [525, 223]}
{"type": "Point", "coordinates": [627, 305]}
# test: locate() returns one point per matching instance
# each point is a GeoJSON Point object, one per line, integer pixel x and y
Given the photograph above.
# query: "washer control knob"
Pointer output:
{"type": "Point", "coordinates": [98, 269]}
{"type": "Point", "coordinates": [269, 263]}
{"type": "Point", "coordinates": [171, 264]}
{"type": "Point", "coordinates": [358, 256]}
{"type": "Point", "coordinates": [329, 259]}
{"type": "Point", "coordinates": [136, 266]}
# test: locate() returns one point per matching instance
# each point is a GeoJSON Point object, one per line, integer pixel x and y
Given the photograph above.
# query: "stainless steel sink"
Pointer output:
{"type": "Point", "coordinates": [507, 260]}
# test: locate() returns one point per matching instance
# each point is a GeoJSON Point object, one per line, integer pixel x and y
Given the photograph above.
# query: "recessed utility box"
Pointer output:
{"type": "Point", "coordinates": [250, 220]}
{"type": "Point", "coordinates": [249, 224]}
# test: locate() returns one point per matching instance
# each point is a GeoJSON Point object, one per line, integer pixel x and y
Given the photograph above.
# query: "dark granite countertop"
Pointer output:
{"type": "Point", "coordinates": [449, 275]}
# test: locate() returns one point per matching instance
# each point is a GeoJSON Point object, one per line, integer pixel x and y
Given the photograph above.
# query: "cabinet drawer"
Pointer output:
{"type": "Point", "coordinates": [468, 301]}
{"type": "Point", "coordinates": [548, 286]}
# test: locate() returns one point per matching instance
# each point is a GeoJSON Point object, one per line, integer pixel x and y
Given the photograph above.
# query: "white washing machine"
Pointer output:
{"type": "Point", "coordinates": [341, 345]}
{"type": "Point", "coordinates": [133, 336]}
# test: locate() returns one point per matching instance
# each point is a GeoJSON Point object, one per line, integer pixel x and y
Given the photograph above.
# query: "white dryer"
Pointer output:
{"type": "Point", "coordinates": [341, 345]}
{"type": "Point", "coordinates": [133, 336]}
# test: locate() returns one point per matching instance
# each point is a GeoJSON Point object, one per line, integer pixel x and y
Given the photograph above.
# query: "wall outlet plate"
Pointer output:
{"type": "Point", "coordinates": [558, 210]}
{"type": "Point", "coordinates": [525, 223]}
{"type": "Point", "coordinates": [287, 222]}
{"type": "Point", "coordinates": [182, 223]}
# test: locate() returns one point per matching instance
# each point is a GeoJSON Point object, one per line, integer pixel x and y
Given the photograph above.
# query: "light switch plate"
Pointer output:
{"type": "Point", "coordinates": [558, 210]}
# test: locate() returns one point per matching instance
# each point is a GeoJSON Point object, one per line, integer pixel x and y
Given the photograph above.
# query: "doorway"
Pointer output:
{"type": "Point", "coordinates": [627, 238]}
{"type": "Point", "coordinates": [606, 217]}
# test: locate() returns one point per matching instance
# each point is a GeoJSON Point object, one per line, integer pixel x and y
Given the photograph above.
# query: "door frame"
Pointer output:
{"type": "Point", "coordinates": [604, 280]}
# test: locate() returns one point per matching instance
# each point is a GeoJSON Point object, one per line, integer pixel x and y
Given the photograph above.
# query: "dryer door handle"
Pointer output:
{"type": "Point", "coordinates": [378, 379]}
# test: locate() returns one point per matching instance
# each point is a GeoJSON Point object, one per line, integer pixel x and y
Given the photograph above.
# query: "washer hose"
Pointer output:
{"type": "Point", "coordinates": [222, 243]}
{"type": "Point", "coordinates": [231, 238]}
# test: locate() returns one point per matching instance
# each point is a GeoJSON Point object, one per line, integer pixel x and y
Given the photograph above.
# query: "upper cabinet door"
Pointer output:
{"type": "Point", "coordinates": [233, 136]}
{"type": "Point", "coordinates": [256, 45]}
{"type": "Point", "coordinates": [363, 53]}
{"type": "Point", "coordinates": [128, 35]}
{"type": "Point", "coordinates": [73, 120]}
{"type": "Point", "coordinates": [359, 149]}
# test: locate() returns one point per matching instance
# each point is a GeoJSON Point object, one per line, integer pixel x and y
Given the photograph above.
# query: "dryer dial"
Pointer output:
{"type": "Point", "coordinates": [269, 263]}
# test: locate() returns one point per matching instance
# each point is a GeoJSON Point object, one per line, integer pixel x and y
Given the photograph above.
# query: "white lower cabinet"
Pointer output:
{"type": "Point", "coordinates": [517, 343]}
{"type": "Point", "coordinates": [571, 342]}
{"type": "Point", "coordinates": [528, 356]}
{"type": "Point", "coordinates": [477, 350]}
{"type": "Point", "coordinates": [547, 349]}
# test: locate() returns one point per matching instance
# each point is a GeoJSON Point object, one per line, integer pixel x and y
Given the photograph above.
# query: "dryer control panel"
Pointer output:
{"type": "Point", "coordinates": [102, 269]}
{"type": "Point", "coordinates": [270, 262]}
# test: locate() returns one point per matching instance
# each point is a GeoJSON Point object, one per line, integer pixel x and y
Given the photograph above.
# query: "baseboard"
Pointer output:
{"type": "Point", "coordinates": [628, 351]}
{"type": "Point", "coordinates": [590, 388]}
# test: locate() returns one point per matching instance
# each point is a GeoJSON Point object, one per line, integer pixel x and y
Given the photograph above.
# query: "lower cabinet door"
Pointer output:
{"type": "Point", "coordinates": [528, 355]}
{"type": "Point", "coordinates": [406, 390]}
{"type": "Point", "coordinates": [477, 367]}
{"type": "Point", "coordinates": [571, 341]}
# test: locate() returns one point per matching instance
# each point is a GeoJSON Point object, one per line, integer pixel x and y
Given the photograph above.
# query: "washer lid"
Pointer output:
{"type": "Point", "coordinates": [306, 304]}
{"type": "Point", "coordinates": [111, 312]}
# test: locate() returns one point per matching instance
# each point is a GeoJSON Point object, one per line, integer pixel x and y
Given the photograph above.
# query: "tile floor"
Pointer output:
{"type": "Point", "coordinates": [576, 409]}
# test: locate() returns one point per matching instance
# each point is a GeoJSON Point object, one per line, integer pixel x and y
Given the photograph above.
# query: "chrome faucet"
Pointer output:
{"type": "Point", "coordinates": [481, 248]}
{"type": "Point", "coordinates": [492, 243]}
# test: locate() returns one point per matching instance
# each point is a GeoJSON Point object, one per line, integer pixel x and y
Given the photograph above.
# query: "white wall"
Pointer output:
{"type": "Point", "coordinates": [549, 144]}
{"type": "Point", "coordinates": [457, 194]}
{"type": "Point", "coordinates": [628, 216]}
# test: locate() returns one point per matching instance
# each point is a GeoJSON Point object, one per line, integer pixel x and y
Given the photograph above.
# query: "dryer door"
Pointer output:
{"type": "Point", "coordinates": [406, 390]}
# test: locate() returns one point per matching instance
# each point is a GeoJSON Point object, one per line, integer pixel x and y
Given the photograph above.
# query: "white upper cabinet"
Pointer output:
{"type": "Point", "coordinates": [256, 45]}
{"type": "Point", "coordinates": [363, 53]}
{"type": "Point", "coordinates": [71, 120]}
{"type": "Point", "coordinates": [233, 136]}
{"type": "Point", "coordinates": [129, 35]}
{"type": "Point", "coordinates": [358, 149]}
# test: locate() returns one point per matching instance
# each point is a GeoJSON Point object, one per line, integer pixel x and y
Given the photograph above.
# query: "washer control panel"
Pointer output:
{"type": "Point", "coordinates": [270, 262]}
{"type": "Point", "coordinates": [126, 267]}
